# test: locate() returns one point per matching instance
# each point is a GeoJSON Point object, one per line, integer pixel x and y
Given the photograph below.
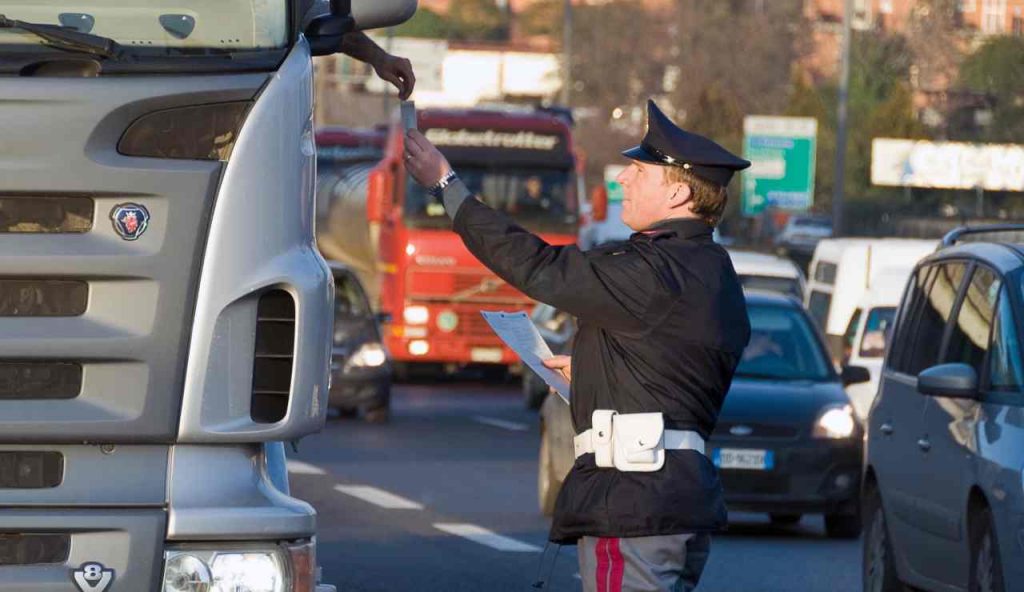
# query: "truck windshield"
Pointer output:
{"type": "Point", "coordinates": [539, 199]}
{"type": "Point", "coordinates": [156, 28]}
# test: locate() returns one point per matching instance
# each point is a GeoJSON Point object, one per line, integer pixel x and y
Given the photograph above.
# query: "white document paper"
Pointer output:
{"type": "Point", "coordinates": [517, 330]}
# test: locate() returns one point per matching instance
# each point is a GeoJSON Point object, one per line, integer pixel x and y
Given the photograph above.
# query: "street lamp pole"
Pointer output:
{"type": "Point", "coordinates": [566, 52]}
{"type": "Point", "coordinates": [842, 121]}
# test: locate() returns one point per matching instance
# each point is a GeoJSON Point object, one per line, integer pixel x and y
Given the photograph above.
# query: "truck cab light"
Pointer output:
{"type": "Point", "coordinates": [419, 348]}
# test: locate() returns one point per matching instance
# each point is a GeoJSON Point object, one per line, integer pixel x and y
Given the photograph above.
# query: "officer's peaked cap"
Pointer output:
{"type": "Point", "coordinates": [665, 143]}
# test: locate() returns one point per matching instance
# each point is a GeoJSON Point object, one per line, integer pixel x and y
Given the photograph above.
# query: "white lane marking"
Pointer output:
{"type": "Point", "coordinates": [378, 497]}
{"type": "Point", "coordinates": [487, 538]}
{"type": "Point", "coordinates": [501, 423]}
{"type": "Point", "coordinates": [300, 468]}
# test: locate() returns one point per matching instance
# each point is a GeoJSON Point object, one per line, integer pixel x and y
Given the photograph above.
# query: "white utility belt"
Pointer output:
{"type": "Point", "coordinates": [633, 442]}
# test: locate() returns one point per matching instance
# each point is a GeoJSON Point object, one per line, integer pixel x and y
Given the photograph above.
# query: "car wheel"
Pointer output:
{"type": "Point", "coordinates": [535, 391]}
{"type": "Point", "coordinates": [986, 568]}
{"type": "Point", "coordinates": [879, 563]}
{"type": "Point", "coordinates": [547, 482]}
{"type": "Point", "coordinates": [785, 519]}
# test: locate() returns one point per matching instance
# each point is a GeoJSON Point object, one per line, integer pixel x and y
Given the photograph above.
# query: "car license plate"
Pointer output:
{"type": "Point", "coordinates": [743, 458]}
{"type": "Point", "coordinates": [490, 355]}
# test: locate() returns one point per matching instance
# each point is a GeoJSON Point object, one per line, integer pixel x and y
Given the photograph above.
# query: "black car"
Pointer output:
{"type": "Point", "coordinates": [787, 442]}
{"type": "Point", "coordinates": [360, 368]}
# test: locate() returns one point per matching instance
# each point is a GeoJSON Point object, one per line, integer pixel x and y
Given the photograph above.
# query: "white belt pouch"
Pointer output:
{"type": "Point", "coordinates": [630, 442]}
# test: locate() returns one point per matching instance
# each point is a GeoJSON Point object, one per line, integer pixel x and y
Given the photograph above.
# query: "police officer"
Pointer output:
{"type": "Point", "coordinates": [662, 325]}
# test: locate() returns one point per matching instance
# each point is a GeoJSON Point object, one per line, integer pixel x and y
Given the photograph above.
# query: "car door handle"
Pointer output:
{"type": "Point", "coordinates": [924, 444]}
{"type": "Point", "coordinates": [886, 429]}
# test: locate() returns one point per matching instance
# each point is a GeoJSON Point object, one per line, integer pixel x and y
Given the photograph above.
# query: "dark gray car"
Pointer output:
{"type": "Point", "coordinates": [360, 368]}
{"type": "Point", "coordinates": [944, 497]}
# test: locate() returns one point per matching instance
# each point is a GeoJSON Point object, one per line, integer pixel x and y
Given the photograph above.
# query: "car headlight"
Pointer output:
{"type": "Point", "coordinates": [289, 568]}
{"type": "Point", "coordinates": [835, 423]}
{"type": "Point", "coordinates": [416, 315]}
{"type": "Point", "coordinates": [369, 355]}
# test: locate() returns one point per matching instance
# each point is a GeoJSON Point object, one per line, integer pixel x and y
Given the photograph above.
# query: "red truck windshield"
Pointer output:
{"type": "Point", "coordinates": [541, 199]}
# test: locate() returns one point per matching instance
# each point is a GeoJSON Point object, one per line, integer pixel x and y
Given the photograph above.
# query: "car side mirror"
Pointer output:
{"type": "Point", "coordinates": [957, 381]}
{"type": "Point", "coordinates": [855, 375]}
{"type": "Point", "coordinates": [384, 318]}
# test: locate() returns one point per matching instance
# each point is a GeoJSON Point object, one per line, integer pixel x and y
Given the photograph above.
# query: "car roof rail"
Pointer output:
{"type": "Point", "coordinates": [953, 236]}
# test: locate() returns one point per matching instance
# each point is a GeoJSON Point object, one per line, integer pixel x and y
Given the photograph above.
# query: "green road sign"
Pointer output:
{"type": "Point", "coordinates": [782, 155]}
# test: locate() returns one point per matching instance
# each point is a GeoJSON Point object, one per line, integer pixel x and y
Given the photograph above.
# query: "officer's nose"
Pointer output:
{"type": "Point", "coordinates": [625, 175]}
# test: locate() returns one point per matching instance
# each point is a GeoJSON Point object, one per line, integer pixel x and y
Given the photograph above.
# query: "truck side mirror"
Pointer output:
{"type": "Point", "coordinates": [326, 31]}
{"type": "Point", "coordinates": [599, 204]}
{"type": "Point", "coordinates": [956, 381]}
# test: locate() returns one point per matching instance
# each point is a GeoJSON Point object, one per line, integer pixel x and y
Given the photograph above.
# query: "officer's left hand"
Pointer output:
{"type": "Point", "coordinates": [560, 364]}
{"type": "Point", "coordinates": [423, 160]}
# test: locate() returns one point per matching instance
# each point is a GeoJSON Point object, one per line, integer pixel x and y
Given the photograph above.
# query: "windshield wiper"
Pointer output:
{"type": "Point", "coordinates": [67, 39]}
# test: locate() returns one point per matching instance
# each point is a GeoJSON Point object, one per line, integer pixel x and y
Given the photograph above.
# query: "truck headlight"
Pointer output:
{"type": "Point", "coordinates": [369, 355]}
{"type": "Point", "coordinates": [835, 423]}
{"type": "Point", "coordinates": [243, 569]}
{"type": "Point", "coordinates": [416, 315]}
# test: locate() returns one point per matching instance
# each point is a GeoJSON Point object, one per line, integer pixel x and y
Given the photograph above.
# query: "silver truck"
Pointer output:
{"type": "Point", "coordinates": [165, 317]}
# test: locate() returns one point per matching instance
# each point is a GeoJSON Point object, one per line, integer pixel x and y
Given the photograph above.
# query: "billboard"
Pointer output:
{"type": "Point", "coordinates": [947, 165]}
{"type": "Point", "coordinates": [782, 155]}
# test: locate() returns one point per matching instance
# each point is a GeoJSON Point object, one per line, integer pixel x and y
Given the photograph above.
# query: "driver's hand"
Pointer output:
{"type": "Point", "coordinates": [397, 71]}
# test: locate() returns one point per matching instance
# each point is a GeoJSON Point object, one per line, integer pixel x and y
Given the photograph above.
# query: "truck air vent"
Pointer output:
{"type": "Point", "coordinates": [42, 298]}
{"type": "Point", "coordinates": [275, 350]}
{"type": "Point", "coordinates": [31, 469]}
{"type": "Point", "coordinates": [39, 380]}
{"type": "Point", "coordinates": [34, 549]}
{"type": "Point", "coordinates": [46, 215]}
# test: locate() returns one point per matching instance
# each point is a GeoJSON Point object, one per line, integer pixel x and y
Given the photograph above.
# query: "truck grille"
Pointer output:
{"type": "Point", "coordinates": [42, 298]}
{"type": "Point", "coordinates": [31, 470]}
{"type": "Point", "coordinates": [40, 380]}
{"type": "Point", "coordinates": [46, 215]}
{"type": "Point", "coordinates": [275, 350]}
{"type": "Point", "coordinates": [34, 549]}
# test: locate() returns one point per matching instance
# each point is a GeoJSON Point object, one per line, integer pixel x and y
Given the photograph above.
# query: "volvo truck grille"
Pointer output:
{"type": "Point", "coordinates": [39, 380]}
{"type": "Point", "coordinates": [31, 470]}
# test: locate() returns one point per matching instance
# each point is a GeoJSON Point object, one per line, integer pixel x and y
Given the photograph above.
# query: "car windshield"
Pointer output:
{"type": "Point", "coordinates": [157, 27]}
{"type": "Point", "coordinates": [781, 285]}
{"type": "Point", "coordinates": [782, 346]}
{"type": "Point", "coordinates": [540, 199]}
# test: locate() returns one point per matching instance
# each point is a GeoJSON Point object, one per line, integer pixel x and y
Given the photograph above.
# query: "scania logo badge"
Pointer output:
{"type": "Point", "coordinates": [741, 430]}
{"type": "Point", "coordinates": [130, 220]}
{"type": "Point", "coordinates": [93, 577]}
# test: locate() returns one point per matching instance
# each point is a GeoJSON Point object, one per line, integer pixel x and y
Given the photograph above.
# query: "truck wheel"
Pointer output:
{"type": "Point", "coordinates": [879, 563]}
{"type": "Point", "coordinates": [547, 482]}
{"type": "Point", "coordinates": [986, 568]}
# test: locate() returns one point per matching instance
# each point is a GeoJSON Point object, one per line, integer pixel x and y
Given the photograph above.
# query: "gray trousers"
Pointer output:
{"type": "Point", "coordinates": [643, 564]}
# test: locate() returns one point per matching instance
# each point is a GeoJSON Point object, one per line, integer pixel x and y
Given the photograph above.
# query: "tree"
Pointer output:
{"type": "Point", "coordinates": [997, 70]}
{"type": "Point", "coordinates": [426, 24]}
{"type": "Point", "coordinates": [543, 18]}
{"type": "Point", "coordinates": [477, 20]}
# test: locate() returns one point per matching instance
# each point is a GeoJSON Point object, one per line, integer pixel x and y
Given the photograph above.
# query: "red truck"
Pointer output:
{"type": "Point", "coordinates": [399, 239]}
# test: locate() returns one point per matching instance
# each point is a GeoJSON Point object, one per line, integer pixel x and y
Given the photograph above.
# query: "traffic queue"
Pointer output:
{"type": "Point", "coordinates": [880, 391]}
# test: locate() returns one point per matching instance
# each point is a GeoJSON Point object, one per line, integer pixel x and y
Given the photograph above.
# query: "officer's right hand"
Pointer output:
{"type": "Point", "coordinates": [561, 364]}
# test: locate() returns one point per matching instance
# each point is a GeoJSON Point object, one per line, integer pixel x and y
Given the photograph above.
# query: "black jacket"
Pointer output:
{"type": "Point", "coordinates": [662, 325]}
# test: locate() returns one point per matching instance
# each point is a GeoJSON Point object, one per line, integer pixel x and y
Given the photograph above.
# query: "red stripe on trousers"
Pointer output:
{"type": "Point", "coordinates": [603, 565]}
{"type": "Point", "coordinates": [618, 567]}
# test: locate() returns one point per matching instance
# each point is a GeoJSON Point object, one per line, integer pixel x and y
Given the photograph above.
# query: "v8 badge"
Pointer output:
{"type": "Point", "coordinates": [93, 577]}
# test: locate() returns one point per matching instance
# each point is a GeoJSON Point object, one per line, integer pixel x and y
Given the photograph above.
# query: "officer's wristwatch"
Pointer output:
{"type": "Point", "coordinates": [437, 190]}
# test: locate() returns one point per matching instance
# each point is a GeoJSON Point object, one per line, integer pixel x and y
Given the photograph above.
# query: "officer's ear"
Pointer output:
{"type": "Point", "coordinates": [679, 194]}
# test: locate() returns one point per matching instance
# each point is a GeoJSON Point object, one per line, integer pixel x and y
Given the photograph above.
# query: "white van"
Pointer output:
{"type": "Point", "coordinates": [760, 271]}
{"type": "Point", "coordinates": [867, 335]}
{"type": "Point", "coordinates": [843, 270]}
